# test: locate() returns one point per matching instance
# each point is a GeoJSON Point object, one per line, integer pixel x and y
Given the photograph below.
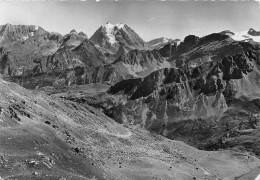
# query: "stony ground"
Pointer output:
{"type": "Point", "coordinates": [47, 137]}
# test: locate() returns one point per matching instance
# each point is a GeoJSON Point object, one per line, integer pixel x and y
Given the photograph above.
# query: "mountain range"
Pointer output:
{"type": "Point", "coordinates": [162, 41]}
{"type": "Point", "coordinates": [113, 106]}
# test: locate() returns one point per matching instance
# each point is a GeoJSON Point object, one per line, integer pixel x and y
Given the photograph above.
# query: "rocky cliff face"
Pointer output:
{"type": "Point", "coordinates": [74, 50]}
{"type": "Point", "coordinates": [253, 32]}
{"type": "Point", "coordinates": [168, 50]}
{"type": "Point", "coordinates": [176, 49]}
{"type": "Point", "coordinates": [200, 101]}
{"type": "Point", "coordinates": [75, 61]}
{"type": "Point", "coordinates": [73, 39]}
{"type": "Point", "coordinates": [138, 63]}
{"type": "Point", "coordinates": [85, 54]}
{"type": "Point", "coordinates": [85, 64]}
{"type": "Point", "coordinates": [22, 45]}
{"type": "Point", "coordinates": [29, 50]}
{"type": "Point", "coordinates": [75, 76]}
{"type": "Point", "coordinates": [69, 66]}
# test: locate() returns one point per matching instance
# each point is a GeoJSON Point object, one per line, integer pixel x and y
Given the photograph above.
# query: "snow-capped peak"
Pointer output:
{"type": "Point", "coordinates": [110, 26]}
{"type": "Point", "coordinates": [110, 30]}
{"type": "Point", "coordinates": [120, 25]}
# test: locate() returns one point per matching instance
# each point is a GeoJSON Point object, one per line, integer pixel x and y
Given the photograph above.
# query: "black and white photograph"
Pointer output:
{"type": "Point", "coordinates": [129, 90]}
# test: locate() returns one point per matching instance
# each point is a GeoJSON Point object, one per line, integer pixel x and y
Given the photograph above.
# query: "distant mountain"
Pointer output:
{"type": "Point", "coordinates": [22, 44]}
{"type": "Point", "coordinates": [119, 53]}
{"type": "Point", "coordinates": [111, 37]}
{"type": "Point", "coordinates": [86, 64]}
{"type": "Point", "coordinates": [159, 42]}
{"type": "Point", "coordinates": [26, 50]}
{"type": "Point", "coordinates": [138, 63]}
{"type": "Point", "coordinates": [73, 39]}
{"type": "Point", "coordinates": [251, 34]}
{"type": "Point", "coordinates": [76, 50]}
{"type": "Point", "coordinates": [77, 60]}
{"type": "Point", "coordinates": [85, 54]}
{"type": "Point", "coordinates": [211, 90]}
{"type": "Point", "coordinates": [76, 54]}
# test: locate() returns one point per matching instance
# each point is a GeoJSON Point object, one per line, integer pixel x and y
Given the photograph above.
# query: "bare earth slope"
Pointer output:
{"type": "Point", "coordinates": [44, 137]}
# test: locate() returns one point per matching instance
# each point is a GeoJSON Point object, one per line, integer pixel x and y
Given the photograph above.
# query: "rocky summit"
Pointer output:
{"type": "Point", "coordinates": [113, 106]}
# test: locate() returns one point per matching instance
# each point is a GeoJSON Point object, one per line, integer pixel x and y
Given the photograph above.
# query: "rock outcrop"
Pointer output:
{"type": "Point", "coordinates": [138, 63]}
{"type": "Point", "coordinates": [200, 101]}
{"type": "Point", "coordinates": [22, 45]}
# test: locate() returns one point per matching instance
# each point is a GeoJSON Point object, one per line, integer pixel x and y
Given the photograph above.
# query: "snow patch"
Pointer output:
{"type": "Point", "coordinates": [36, 28]}
{"type": "Point", "coordinates": [165, 64]}
{"type": "Point", "coordinates": [144, 114]}
{"type": "Point", "coordinates": [242, 36]}
{"type": "Point", "coordinates": [205, 172]}
{"type": "Point", "coordinates": [162, 41]}
{"type": "Point", "coordinates": [39, 153]}
{"type": "Point", "coordinates": [125, 135]}
{"type": "Point", "coordinates": [110, 33]}
{"type": "Point", "coordinates": [157, 44]}
{"type": "Point", "coordinates": [120, 26]}
{"type": "Point", "coordinates": [258, 177]}
{"type": "Point", "coordinates": [25, 37]}
{"type": "Point", "coordinates": [165, 40]}
{"type": "Point", "coordinates": [178, 42]}
{"type": "Point", "coordinates": [110, 30]}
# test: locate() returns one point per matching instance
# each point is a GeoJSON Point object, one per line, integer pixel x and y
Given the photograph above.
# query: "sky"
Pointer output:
{"type": "Point", "coordinates": [150, 19]}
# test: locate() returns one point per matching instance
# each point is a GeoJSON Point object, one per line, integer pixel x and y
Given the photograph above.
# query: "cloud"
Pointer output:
{"type": "Point", "coordinates": [196, 29]}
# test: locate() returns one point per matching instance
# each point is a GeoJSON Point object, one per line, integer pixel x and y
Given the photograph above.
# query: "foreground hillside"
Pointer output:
{"type": "Point", "coordinates": [45, 137]}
